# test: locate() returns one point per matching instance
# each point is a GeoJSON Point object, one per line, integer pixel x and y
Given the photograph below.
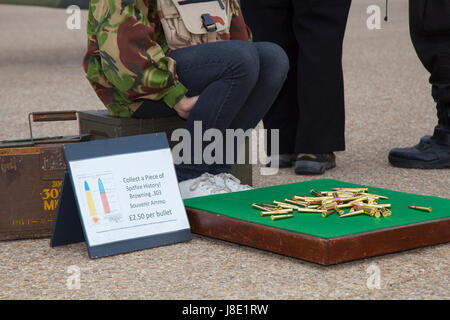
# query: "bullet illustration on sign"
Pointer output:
{"type": "Point", "coordinates": [103, 196]}
{"type": "Point", "coordinates": [90, 202]}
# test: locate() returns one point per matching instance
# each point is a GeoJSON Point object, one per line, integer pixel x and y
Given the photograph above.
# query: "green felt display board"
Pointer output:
{"type": "Point", "coordinates": [238, 205]}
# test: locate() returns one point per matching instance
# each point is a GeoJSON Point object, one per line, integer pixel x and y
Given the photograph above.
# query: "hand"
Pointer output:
{"type": "Point", "coordinates": [184, 107]}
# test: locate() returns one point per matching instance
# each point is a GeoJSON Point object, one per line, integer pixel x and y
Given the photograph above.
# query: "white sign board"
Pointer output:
{"type": "Point", "coordinates": [127, 196]}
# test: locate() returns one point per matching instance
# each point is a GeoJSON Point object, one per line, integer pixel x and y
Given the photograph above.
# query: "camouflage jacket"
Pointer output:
{"type": "Point", "coordinates": [126, 58]}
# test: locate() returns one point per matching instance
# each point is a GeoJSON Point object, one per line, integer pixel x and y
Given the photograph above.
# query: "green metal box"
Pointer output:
{"type": "Point", "coordinates": [98, 124]}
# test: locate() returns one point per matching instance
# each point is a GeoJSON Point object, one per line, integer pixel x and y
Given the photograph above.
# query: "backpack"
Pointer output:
{"type": "Point", "coordinates": [191, 22]}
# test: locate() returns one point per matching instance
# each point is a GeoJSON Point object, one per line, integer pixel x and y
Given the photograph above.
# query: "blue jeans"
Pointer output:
{"type": "Point", "coordinates": [237, 83]}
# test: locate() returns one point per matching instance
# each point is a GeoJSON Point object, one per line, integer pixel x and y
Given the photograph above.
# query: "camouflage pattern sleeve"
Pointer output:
{"type": "Point", "coordinates": [124, 63]}
{"type": "Point", "coordinates": [238, 29]}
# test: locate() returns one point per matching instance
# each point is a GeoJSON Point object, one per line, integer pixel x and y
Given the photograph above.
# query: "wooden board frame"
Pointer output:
{"type": "Point", "coordinates": [320, 250]}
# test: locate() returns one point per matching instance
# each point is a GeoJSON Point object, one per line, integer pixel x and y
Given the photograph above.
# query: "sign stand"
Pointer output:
{"type": "Point", "coordinates": [120, 195]}
{"type": "Point", "coordinates": [67, 228]}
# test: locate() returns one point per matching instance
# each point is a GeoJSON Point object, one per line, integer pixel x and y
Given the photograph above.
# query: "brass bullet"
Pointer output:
{"type": "Point", "coordinates": [259, 207]}
{"type": "Point", "coordinates": [377, 214]}
{"type": "Point", "coordinates": [270, 213]}
{"type": "Point", "coordinates": [284, 216]}
{"type": "Point", "coordinates": [330, 206]}
{"type": "Point", "coordinates": [315, 193]}
{"type": "Point", "coordinates": [312, 200]}
{"type": "Point", "coordinates": [285, 205]}
{"type": "Point", "coordinates": [354, 213]}
{"type": "Point", "coordinates": [327, 213]}
{"type": "Point", "coordinates": [348, 199]}
{"type": "Point", "coordinates": [275, 212]}
{"type": "Point", "coordinates": [359, 199]}
{"type": "Point", "coordinates": [378, 206]}
{"type": "Point", "coordinates": [427, 209]}
{"type": "Point", "coordinates": [337, 194]}
{"type": "Point", "coordinates": [357, 206]}
{"type": "Point", "coordinates": [371, 211]}
{"type": "Point", "coordinates": [310, 210]}
{"type": "Point", "coordinates": [367, 210]}
{"type": "Point", "coordinates": [312, 203]}
{"type": "Point", "coordinates": [300, 203]}
{"type": "Point", "coordinates": [385, 212]}
{"type": "Point", "coordinates": [335, 200]}
{"type": "Point", "coordinates": [346, 194]}
{"type": "Point", "coordinates": [283, 210]}
{"type": "Point", "coordinates": [288, 206]}
{"type": "Point", "coordinates": [269, 205]}
{"type": "Point", "coordinates": [343, 206]}
{"type": "Point", "coordinates": [376, 196]}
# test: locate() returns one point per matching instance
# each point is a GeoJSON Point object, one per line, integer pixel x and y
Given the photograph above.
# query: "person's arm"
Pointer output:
{"type": "Point", "coordinates": [131, 60]}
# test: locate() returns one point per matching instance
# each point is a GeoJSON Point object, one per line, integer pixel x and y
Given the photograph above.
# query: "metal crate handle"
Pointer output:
{"type": "Point", "coordinates": [48, 116]}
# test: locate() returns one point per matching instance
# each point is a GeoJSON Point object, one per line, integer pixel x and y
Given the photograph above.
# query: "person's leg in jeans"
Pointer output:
{"type": "Point", "coordinates": [273, 70]}
{"type": "Point", "coordinates": [237, 83]}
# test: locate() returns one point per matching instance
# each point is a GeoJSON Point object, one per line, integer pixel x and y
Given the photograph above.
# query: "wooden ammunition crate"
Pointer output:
{"type": "Point", "coordinates": [98, 124]}
{"type": "Point", "coordinates": [31, 173]}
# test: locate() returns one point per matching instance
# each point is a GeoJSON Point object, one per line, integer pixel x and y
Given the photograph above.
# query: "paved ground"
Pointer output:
{"type": "Point", "coordinates": [388, 105]}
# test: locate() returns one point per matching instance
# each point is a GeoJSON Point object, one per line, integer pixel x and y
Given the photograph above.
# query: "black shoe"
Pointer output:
{"type": "Point", "coordinates": [314, 163]}
{"type": "Point", "coordinates": [280, 161]}
{"type": "Point", "coordinates": [428, 154]}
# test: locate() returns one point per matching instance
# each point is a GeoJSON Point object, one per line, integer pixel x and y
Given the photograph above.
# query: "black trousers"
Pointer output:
{"type": "Point", "coordinates": [430, 34]}
{"type": "Point", "coordinates": [309, 111]}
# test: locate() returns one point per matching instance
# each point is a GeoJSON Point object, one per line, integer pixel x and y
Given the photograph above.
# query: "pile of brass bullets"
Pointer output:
{"type": "Point", "coordinates": [326, 203]}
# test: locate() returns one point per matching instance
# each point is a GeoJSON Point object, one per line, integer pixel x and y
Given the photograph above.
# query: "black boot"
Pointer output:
{"type": "Point", "coordinates": [314, 163]}
{"type": "Point", "coordinates": [433, 152]}
{"type": "Point", "coordinates": [280, 161]}
{"type": "Point", "coordinates": [442, 130]}
{"type": "Point", "coordinates": [428, 154]}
